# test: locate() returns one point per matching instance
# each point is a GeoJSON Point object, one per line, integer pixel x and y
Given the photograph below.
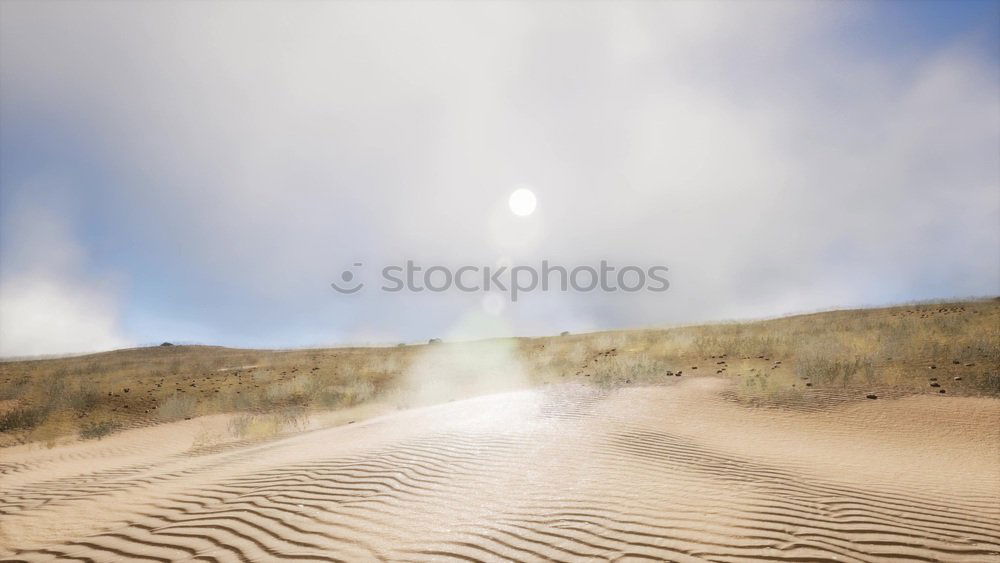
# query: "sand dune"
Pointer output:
{"type": "Point", "coordinates": [564, 473]}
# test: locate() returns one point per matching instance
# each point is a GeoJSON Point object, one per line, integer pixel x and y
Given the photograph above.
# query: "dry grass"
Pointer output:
{"type": "Point", "coordinates": [784, 361]}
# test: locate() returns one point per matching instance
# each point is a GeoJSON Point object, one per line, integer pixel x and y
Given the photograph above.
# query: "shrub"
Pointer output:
{"type": "Point", "coordinates": [98, 429]}
{"type": "Point", "coordinates": [829, 371]}
{"type": "Point", "coordinates": [83, 400]}
{"type": "Point", "coordinates": [255, 425]}
{"type": "Point", "coordinates": [21, 418]}
{"type": "Point", "coordinates": [177, 407]}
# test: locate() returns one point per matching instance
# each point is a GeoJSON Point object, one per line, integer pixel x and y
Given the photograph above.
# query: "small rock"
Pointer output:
{"type": "Point", "coordinates": [935, 384]}
{"type": "Point", "coordinates": [809, 384]}
{"type": "Point", "coordinates": [941, 391]}
{"type": "Point", "coordinates": [871, 396]}
{"type": "Point", "coordinates": [957, 378]}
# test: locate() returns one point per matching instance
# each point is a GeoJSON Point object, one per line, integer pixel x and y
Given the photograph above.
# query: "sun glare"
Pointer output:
{"type": "Point", "coordinates": [522, 202]}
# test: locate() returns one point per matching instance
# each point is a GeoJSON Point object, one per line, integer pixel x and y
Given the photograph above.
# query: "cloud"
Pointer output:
{"type": "Point", "coordinates": [774, 161]}
{"type": "Point", "coordinates": [40, 316]}
{"type": "Point", "coordinates": [48, 303]}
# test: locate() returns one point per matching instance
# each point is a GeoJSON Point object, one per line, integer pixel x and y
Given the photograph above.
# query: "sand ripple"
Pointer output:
{"type": "Point", "coordinates": [562, 474]}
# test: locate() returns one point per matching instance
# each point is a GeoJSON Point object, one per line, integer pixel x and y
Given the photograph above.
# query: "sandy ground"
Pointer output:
{"type": "Point", "coordinates": [564, 473]}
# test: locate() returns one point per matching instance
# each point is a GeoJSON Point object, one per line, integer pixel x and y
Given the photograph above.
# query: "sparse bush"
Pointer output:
{"type": "Point", "coordinates": [757, 383]}
{"type": "Point", "coordinates": [177, 407]}
{"type": "Point", "coordinates": [99, 429]}
{"type": "Point", "coordinates": [612, 371]}
{"type": "Point", "coordinates": [331, 399]}
{"type": "Point", "coordinates": [84, 400]}
{"type": "Point", "coordinates": [988, 383]}
{"type": "Point", "coordinates": [738, 341]}
{"type": "Point", "coordinates": [263, 425]}
{"type": "Point", "coordinates": [832, 370]}
{"type": "Point", "coordinates": [15, 389]}
{"type": "Point", "coordinates": [21, 418]}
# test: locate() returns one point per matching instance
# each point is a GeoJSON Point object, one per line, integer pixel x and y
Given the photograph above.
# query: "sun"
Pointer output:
{"type": "Point", "coordinates": [522, 202]}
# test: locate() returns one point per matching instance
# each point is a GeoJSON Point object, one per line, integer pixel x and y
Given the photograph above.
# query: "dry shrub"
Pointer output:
{"type": "Point", "coordinates": [21, 418]}
{"type": "Point", "coordinates": [265, 425]}
{"type": "Point", "coordinates": [98, 429]}
{"type": "Point", "coordinates": [177, 407]}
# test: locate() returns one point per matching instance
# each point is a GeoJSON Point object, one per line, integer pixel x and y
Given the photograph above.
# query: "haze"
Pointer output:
{"type": "Point", "coordinates": [201, 172]}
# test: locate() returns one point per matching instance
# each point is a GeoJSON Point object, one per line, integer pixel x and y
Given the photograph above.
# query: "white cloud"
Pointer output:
{"type": "Point", "coordinates": [48, 303]}
{"type": "Point", "coordinates": [45, 316]}
{"type": "Point", "coordinates": [771, 168]}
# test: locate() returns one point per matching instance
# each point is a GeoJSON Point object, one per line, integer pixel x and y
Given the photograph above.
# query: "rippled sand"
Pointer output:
{"type": "Point", "coordinates": [566, 473]}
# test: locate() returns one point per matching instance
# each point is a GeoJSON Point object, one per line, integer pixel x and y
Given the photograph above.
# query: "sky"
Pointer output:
{"type": "Point", "coordinates": [201, 172]}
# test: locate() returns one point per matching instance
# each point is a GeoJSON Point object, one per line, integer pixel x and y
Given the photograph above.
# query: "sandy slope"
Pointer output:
{"type": "Point", "coordinates": [669, 473]}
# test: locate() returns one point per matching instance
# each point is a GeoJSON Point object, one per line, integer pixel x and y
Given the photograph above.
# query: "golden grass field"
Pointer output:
{"type": "Point", "coordinates": [841, 355]}
{"type": "Point", "coordinates": [859, 435]}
